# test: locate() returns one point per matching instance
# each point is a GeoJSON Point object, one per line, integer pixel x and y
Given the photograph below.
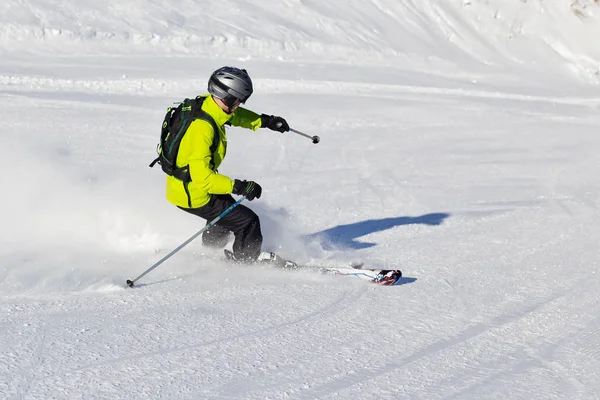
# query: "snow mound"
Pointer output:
{"type": "Point", "coordinates": [423, 34]}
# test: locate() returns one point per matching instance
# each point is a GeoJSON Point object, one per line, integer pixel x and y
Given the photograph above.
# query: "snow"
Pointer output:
{"type": "Point", "coordinates": [458, 142]}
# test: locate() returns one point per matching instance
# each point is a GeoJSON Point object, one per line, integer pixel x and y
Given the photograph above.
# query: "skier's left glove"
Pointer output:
{"type": "Point", "coordinates": [274, 123]}
{"type": "Point", "coordinates": [250, 189]}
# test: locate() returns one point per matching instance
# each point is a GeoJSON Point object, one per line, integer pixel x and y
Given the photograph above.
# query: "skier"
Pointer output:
{"type": "Point", "coordinates": [206, 193]}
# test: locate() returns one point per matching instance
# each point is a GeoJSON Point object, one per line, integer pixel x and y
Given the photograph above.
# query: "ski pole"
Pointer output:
{"type": "Point", "coordinates": [315, 139]}
{"type": "Point", "coordinates": [182, 245]}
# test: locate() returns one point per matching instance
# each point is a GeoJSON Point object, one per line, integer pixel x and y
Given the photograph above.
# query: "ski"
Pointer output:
{"type": "Point", "coordinates": [385, 277]}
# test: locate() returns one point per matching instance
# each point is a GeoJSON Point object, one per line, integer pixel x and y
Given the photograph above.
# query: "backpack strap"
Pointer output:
{"type": "Point", "coordinates": [185, 114]}
{"type": "Point", "coordinates": [203, 115]}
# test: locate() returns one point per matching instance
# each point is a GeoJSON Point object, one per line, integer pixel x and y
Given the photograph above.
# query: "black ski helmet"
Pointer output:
{"type": "Point", "coordinates": [230, 84]}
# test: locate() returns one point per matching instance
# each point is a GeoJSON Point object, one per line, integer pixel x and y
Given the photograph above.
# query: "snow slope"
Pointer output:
{"type": "Point", "coordinates": [458, 141]}
{"type": "Point", "coordinates": [540, 37]}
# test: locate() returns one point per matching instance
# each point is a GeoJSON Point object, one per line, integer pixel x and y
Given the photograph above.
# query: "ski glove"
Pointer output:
{"type": "Point", "coordinates": [274, 123]}
{"type": "Point", "coordinates": [251, 189]}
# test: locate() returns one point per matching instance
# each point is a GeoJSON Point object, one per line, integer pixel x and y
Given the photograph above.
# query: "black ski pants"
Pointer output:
{"type": "Point", "coordinates": [242, 221]}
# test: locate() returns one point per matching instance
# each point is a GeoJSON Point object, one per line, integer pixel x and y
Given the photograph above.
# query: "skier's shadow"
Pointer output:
{"type": "Point", "coordinates": [345, 236]}
{"type": "Point", "coordinates": [404, 281]}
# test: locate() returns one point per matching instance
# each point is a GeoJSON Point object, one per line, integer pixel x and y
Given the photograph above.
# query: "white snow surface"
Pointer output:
{"type": "Point", "coordinates": [459, 142]}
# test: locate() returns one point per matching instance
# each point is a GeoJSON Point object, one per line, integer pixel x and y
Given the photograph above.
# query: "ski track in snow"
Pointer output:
{"type": "Point", "coordinates": [31, 85]}
{"type": "Point", "coordinates": [34, 374]}
{"type": "Point", "coordinates": [346, 300]}
{"type": "Point", "coordinates": [502, 326]}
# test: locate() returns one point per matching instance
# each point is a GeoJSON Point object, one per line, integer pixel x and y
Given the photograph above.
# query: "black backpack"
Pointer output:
{"type": "Point", "coordinates": [177, 121]}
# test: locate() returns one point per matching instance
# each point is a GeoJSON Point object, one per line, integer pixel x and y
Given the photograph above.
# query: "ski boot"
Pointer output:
{"type": "Point", "coordinates": [271, 259]}
{"type": "Point", "coordinates": [265, 258]}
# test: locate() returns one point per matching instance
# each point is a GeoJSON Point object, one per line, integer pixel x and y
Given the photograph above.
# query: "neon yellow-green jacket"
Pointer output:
{"type": "Point", "coordinates": [194, 151]}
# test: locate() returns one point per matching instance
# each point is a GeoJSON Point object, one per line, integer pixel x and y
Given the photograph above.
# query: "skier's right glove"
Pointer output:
{"type": "Point", "coordinates": [251, 189]}
{"type": "Point", "coordinates": [274, 123]}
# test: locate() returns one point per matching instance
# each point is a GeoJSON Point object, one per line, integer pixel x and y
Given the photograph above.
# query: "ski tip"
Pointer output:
{"type": "Point", "coordinates": [129, 283]}
{"type": "Point", "coordinates": [388, 277]}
